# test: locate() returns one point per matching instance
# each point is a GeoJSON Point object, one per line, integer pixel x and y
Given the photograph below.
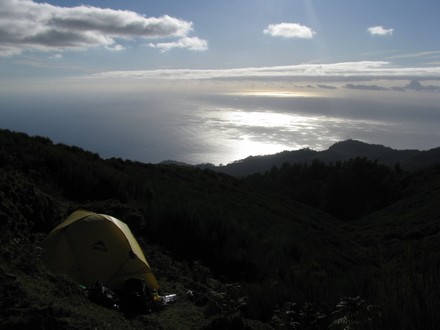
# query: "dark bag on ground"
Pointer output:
{"type": "Point", "coordinates": [103, 296]}
{"type": "Point", "coordinates": [135, 297]}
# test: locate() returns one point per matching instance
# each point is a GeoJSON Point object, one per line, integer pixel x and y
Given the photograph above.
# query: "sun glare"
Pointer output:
{"type": "Point", "coordinates": [246, 147]}
{"type": "Point", "coordinates": [247, 133]}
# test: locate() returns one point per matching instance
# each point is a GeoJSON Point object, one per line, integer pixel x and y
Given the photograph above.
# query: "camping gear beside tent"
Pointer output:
{"type": "Point", "coordinates": [94, 247]}
{"type": "Point", "coordinates": [168, 299]}
{"type": "Point", "coordinates": [137, 298]}
{"type": "Point", "coordinates": [103, 296]}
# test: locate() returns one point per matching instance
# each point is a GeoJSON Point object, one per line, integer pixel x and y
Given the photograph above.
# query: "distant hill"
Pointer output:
{"type": "Point", "coordinates": [340, 151]}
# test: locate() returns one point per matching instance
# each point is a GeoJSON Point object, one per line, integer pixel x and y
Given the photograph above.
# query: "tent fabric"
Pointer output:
{"type": "Point", "coordinates": [94, 247]}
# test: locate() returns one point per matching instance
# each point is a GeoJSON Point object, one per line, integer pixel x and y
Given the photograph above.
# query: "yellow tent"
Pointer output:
{"type": "Point", "coordinates": [94, 247]}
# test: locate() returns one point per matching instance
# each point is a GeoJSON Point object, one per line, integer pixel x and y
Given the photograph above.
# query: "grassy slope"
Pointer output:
{"type": "Point", "coordinates": [413, 222]}
{"type": "Point", "coordinates": [271, 244]}
{"type": "Point", "coordinates": [404, 240]}
{"type": "Point", "coordinates": [242, 233]}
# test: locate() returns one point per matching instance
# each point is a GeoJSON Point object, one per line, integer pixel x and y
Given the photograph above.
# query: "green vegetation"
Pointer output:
{"type": "Point", "coordinates": [346, 190]}
{"type": "Point", "coordinates": [340, 244]}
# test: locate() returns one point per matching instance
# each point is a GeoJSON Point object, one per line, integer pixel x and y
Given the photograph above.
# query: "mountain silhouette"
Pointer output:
{"type": "Point", "coordinates": [408, 159]}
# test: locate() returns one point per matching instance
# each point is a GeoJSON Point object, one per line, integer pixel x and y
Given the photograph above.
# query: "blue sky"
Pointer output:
{"type": "Point", "coordinates": [357, 62]}
{"type": "Point", "coordinates": [222, 34]}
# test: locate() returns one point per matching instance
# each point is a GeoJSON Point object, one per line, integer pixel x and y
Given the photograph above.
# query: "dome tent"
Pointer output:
{"type": "Point", "coordinates": [94, 247]}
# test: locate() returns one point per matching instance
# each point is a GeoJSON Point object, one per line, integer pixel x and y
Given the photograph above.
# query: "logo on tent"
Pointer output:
{"type": "Point", "coordinates": [100, 246]}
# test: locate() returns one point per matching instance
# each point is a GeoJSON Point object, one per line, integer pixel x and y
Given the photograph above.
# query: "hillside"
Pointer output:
{"type": "Point", "coordinates": [237, 253]}
{"type": "Point", "coordinates": [404, 237]}
{"type": "Point", "coordinates": [340, 151]}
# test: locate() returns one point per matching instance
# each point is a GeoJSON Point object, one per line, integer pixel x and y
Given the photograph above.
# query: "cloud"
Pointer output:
{"type": "Point", "coordinates": [413, 85]}
{"type": "Point", "coordinates": [333, 71]}
{"type": "Point", "coordinates": [426, 55]}
{"type": "Point", "coordinates": [115, 48]}
{"type": "Point", "coordinates": [380, 31]}
{"type": "Point", "coordinates": [289, 30]}
{"type": "Point", "coordinates": [190, 43]}
{"type": "Point", "coordinates": [326, 86]}
{"type": "Point", "coordinates": [56, 57]}
{"type": "Point", "coordinates": [417, 86]}
{"type": "Point", "coordinates": [27, 25]}
{"type": "Point", "coordinates": [366, 87]}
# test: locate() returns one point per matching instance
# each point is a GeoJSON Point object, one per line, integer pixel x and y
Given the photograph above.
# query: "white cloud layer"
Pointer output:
{"type": "Point", "coordinates": [190, 43]}
{"type": "Point", "coordinates": [55, 57]}
{"type": "Point", "coordinates": [289, 30]}
{"type": "Point", "coordinates": [380, 31]}
{"type": "Point", "coordinates": [338, 71]}
{"type": "Point", "coordinates": [27, 25]}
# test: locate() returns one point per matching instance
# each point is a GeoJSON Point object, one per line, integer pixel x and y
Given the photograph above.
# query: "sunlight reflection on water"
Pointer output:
{"type": "Point", "coordinates": [239, 133]}
{"type": "Point", "coordinates": [218, 129]}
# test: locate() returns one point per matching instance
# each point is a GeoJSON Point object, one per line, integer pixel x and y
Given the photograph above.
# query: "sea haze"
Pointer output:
{"type": "Point", "coordinates": [213, 125]}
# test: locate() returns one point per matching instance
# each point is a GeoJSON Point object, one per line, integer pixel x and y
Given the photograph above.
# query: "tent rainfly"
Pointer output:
{"type": "Point", "coordinates": [94, 247]}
